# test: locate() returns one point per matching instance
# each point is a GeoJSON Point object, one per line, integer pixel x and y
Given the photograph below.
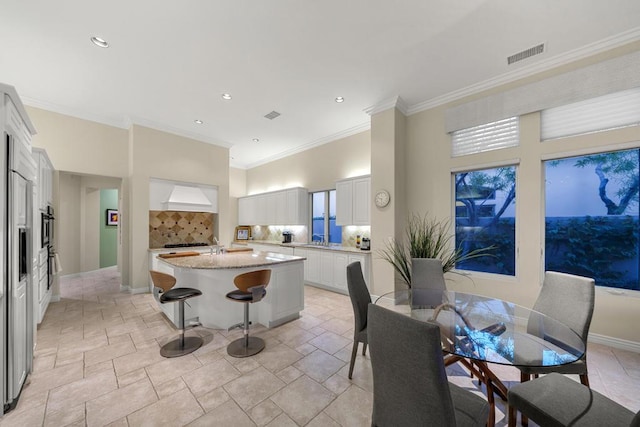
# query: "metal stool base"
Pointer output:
{"type": "Point", "coordinates": [174, 349]}
{"type": "Point", "coordinates": [238, 348]}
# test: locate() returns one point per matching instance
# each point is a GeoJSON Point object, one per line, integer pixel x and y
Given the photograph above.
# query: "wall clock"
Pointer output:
{"type": "Point", "coordinates": [382, 198]}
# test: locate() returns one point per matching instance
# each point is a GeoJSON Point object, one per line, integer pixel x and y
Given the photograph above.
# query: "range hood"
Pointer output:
{"type": "Point", "coordinates": [183, 198]}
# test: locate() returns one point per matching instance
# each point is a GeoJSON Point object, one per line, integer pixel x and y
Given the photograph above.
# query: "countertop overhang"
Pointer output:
{"type": "Point", "coordinates": [231, 260]}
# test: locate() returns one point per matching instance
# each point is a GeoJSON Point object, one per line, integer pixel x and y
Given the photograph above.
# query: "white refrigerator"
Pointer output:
{"type": "Point", "coordinates": [18, 172]}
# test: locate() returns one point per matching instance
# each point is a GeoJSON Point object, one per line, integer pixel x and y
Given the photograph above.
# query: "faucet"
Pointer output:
{"type": "Point", "coordinates": [218, 248]}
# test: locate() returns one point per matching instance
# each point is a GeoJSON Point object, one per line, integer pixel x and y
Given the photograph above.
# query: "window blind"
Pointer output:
{"type": "Point", "coordinates": [610, 111]}
{"type": "Point", "coordinates": [491, 136]}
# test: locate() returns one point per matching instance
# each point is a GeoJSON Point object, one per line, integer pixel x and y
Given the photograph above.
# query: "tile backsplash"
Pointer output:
{"type": "Point", "coordinates": [173, 227]}
{"type": "Point", "coordinates": [300, 233]}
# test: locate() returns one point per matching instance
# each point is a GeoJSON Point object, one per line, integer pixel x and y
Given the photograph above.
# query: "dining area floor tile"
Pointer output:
{"type": "Point", "coordinates": [97, 362]}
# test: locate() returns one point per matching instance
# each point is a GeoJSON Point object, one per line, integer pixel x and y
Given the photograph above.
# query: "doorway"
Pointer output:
{"type": "Point", "coordinates": [87, 240]}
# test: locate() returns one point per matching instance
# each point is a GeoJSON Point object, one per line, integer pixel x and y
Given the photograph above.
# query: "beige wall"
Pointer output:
{"type": "Point", "coordinates": [315, 169]}
{"type": "Point", "coordinates": [67, 225]}
{"type": "Point", "coordinates": [156, 154]}
{"type": "Point", "coordinates": [387, 167]}
{"type": "Point", "coordinates": [429, 189]}
{"type": "Point", "coordinates": [79, 146]}
{"type": "Point", "coordinates": [237, 188]}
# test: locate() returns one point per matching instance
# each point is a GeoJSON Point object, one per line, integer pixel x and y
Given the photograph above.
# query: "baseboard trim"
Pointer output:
{"type": "Point", "coordinates": [134, 291]}
{"type": "Point", "coordinates": [615, 342]}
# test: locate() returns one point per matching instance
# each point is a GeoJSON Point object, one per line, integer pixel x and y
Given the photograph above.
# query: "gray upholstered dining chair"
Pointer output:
{"type": "Point", "coordinates": [410, 386]}
{"type": "Point", "coordinates": [570, 300]}
{"type": "Point", "coordinates": [360, 300]}
{"type": "Point", "coordinates": [555, 400]}
{"type": "Point", "coordinates": [427, 282]}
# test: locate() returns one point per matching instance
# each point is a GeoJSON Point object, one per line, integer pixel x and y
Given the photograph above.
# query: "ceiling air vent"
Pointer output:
{"type": "Point", "coordinates": [536, 50]}
{"type": "Point", "coordinates": [272, 115]}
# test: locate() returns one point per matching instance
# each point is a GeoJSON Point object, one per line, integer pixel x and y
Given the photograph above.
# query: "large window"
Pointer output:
{"type": "Point", "coordinates": [485, 216]}
{"type": "Point", "coordinates": [323, 225]}
{"type": "Point", "coordinates": [591, 224]}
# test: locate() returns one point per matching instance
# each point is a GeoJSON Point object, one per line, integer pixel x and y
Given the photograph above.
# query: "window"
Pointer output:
{"type": "Point", "coordinates": [487, 137]}
{"type": "Point", "coordinates": [485, 216]}
{"type": "Point", "coordinates": [323, 225]}
{"type": "Point", "coordinates": [591, 217]}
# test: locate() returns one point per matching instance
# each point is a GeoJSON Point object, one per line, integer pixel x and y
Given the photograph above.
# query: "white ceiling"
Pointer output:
{"type": "Point", "coordinates": [169, 61]}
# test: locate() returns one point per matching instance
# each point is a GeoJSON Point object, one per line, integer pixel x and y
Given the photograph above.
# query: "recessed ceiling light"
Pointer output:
{"type": "Point", "coordinates": [339, 99]}
{"type": "Point", "coordinates": [255, 140]}
{"type": "Point", "coordinates": [226, 96]}
{"type": "Point", "coordinates": [198, 122]}
{"type": "Point", "coordinates": [99, 42]}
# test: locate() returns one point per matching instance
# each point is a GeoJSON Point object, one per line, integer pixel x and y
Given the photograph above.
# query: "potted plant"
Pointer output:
{"type": "Point", "coordinates": [426, 238]}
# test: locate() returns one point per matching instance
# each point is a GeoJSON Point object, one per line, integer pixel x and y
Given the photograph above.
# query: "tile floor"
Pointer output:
{"type": "Point", "coordinates": [97, 363]}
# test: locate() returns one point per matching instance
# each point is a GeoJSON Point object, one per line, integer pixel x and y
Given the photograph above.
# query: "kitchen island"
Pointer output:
{"type": "Point", "coordinates": [213, 275]}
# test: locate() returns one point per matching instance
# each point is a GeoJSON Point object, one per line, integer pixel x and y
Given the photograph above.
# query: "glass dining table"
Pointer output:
{"type": "Point", "coordinates": [478, 331]}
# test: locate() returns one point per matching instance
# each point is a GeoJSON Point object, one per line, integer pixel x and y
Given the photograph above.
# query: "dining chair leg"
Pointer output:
{"type": "Point", "coordinates": [584, 379]}
{"type": "Point", "coordinates": [364, 348]}
{"type": "Point", "coordinates": [523, 419]}
{"type": "Point", "coordinates": [513, 416]}
{"type": "Point", "coordinates": [354, 351]}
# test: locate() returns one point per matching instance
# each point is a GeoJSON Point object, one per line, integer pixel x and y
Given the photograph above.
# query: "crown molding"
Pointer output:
{"type": "Point", "coordinates": [316, 143]}
{"type": "Point", "coordinates": [544, 65]}
{"type": "Point", "coordinates": [122, 122]}
{"type": "Point", "coordinates": [395, 102]}
{"type": "Point", "coordinates": [115, 121]}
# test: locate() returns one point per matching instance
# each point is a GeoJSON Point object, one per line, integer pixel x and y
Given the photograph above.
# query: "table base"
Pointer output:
{"type": "Point", "coordinates": [494, 385]}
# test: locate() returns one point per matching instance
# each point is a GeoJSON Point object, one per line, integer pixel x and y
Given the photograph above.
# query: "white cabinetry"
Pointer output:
{"type": "Point", "coordinates": [353, 201]}
{"type": "Point", "coordinates": [16, 125]}
{"type": "Point", "coordinates": [247, 207]}
{"type": "Point", "coordinates": [45, 178]}
{"type": "Point", "coordinates": [44, 198]}
{"type": "Point", "coordinates": [327, 268]}
{"type": "Point", "coordinates": [271, 248]}
{"type": "Point", "coordinates": [285, 207]}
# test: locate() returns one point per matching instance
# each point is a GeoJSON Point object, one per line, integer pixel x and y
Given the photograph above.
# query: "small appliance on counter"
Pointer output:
{"type": "Point", "coordinates": [365, 245]}
{"type": "Point", "coordinates": [287, 237]}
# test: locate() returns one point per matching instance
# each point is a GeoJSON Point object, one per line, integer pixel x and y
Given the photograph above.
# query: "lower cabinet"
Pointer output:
{"type": "Point", "coordinates": [43, 292]}
{"type": "Point", "coordinates": [328, 268]}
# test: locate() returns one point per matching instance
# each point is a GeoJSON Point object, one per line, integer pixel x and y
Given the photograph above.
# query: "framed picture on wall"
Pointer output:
{"type": "Point", "coordinates": [243, 233]}
{"type": "Point", "coordinates": [112, 217]}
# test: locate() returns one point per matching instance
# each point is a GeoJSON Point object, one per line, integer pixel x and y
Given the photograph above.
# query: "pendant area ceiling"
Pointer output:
{"type": "Point", "coordinates": [169, 62]}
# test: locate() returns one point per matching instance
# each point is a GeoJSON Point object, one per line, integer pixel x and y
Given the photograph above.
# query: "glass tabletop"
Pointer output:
{"type": "Point", "coordinates": [489, 329]}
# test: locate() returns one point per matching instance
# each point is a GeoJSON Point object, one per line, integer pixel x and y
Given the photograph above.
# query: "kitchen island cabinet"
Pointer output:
{"type": "Point", "coordinates": [214, 274]}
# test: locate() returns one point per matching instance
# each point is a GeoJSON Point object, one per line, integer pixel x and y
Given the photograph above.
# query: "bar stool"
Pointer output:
{"type": "Point", "coordinates": [181, 345]}
{"type": "Point", "coordinates": [251, 288]}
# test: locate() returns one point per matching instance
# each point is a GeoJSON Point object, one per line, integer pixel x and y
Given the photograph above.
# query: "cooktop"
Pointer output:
{"type": "Point", "coordinates": [184, 245]}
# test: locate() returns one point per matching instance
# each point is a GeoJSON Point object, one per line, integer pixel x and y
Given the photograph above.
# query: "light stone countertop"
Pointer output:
{"type": "Point", "coordinates": [331, 247]}
{"type": "Point", "coordinates": [202, 249]}
{"type": "Point", "coordinates": [231, 260]}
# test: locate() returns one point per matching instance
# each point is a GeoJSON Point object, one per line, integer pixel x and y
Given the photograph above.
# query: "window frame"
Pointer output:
{"type": "Point", "coordinates": [475, 167]}
{"type": "Point", "coordinates": [327, 218]}
{"type": "Point", "coordinates": [566, 154]}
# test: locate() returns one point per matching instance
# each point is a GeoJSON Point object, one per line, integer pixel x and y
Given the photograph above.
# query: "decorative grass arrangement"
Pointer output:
{"type": "Point", "coordinates": [426, 238]}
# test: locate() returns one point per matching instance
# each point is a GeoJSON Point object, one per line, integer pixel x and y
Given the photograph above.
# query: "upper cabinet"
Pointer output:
{"type": "Point", "coordinates": [353, 201]}
{"type": "Point", "coordinates": [15, 123]}
{"type": "Point", "coordinates": [285, 207]}
{"type": "Point", "coordinates": [45, 178]}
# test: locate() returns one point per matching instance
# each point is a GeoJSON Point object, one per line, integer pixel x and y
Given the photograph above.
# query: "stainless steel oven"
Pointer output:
{"type": "Point", "coordinates": [47, 227]}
